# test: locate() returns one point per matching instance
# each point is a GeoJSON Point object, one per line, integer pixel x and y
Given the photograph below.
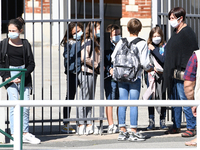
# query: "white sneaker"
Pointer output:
{"type": "Point", "coordinates": [89, 130]}
{"type": "Point", "coordinates": [112, 129]}
{"type": "Point", "coordinates": [81, 129]}
{"type": "Point", "coordinates": [30, 138]}
{"type": "Point", "coordinates": [68, 129]}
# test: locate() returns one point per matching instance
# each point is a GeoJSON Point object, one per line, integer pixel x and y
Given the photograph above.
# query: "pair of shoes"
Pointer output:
{"type": "Point", "coordinates": [68, 129]}
{"type": "Point", "coordinates": [151, 125]}
{"type": "Point", "coordinates": [134, 137]}
{"type": "Point", "coordinates": [81, 130]}
{"type": "Point", "coordinates": [30, 138]}
{"type": "Point", "coordinates": [189, 133]}
{"type": "Point", "coordinates": [89, 130]}
{"type": "Point", "coordinates": [112, 129]}
{"type": "Point", "coordinates": [123, 136]}
{"type": "Point", "coordinates": [173, 131]}
{"type": "Point", "coordinates": [162, 125]}
{"type": "Point", "coordinates": [191, 143]}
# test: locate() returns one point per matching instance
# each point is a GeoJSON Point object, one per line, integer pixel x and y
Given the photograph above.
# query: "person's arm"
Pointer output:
{"type": "Point", "coordinates": [144, 56]}
{"type": "Point", "coordinates": [156, 54]}
{"type": "Point", "coordinates": [190, 77]}
{"type": "Point", "coordinates": [189, 89]}
{"type": "Point", "coordinates": [31, 63]}
{"type": "Point", "coordinates": [85, 54]}
{"type": "Point", "coordinates": [117, 47]}
{"type": "Point", "coordinates": [4, 74]}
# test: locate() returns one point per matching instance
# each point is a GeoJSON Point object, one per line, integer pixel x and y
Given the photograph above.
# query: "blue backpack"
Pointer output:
{"type": "Point", "coordinates": [74, 61]}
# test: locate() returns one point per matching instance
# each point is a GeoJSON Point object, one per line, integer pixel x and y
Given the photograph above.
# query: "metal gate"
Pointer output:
{"type": "Point", "coordinates": [192, 8]}
{"type": "Point", "coordinates": [46, 22]}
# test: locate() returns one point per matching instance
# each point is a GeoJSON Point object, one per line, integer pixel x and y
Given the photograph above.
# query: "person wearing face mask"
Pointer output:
{"type": "Point", "coordinates": [179, 48]}
{"type": "Point", "coordinates": [70, 41]}
{"type": "Point", "coordinates": [90, 59]}
{"type": "Point", "coordinates": [111, 86]}
{"type": "Point", "coordinates": [17, 54]}
{"type": "Point", "coordinates": [156, 46]}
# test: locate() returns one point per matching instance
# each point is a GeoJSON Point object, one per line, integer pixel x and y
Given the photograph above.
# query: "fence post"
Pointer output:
{"type": "Point", "coordinates": [17, 135]}
{"type": "Point", "coordinates": [2, 122]}
{"type": "Point", "coordinates": [198, 126]}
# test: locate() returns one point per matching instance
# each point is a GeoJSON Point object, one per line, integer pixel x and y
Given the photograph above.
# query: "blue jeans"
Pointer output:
{"type": "Point", "coordinates": [126, 88]}
{"type": "Point", "coordinates": [111, 89]}
{"type": "Point", "coordinates": [178, 94]}
{"type": "Point", "coordinates": [13, 94]}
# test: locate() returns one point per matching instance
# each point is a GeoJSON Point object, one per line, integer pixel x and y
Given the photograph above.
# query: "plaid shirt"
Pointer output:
{"type": "Point", "coordinates": [191, 69]}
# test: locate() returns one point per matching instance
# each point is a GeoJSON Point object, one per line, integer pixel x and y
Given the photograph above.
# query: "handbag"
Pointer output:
{"type": "Point", "coordinates": [178, 74]}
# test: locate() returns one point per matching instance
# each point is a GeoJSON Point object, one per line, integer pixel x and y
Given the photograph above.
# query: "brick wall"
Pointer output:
{"type": "Point", "coordinates": [37, 6]}
{"type": "Point", "coordinates": [136, 8]}
{"type": "Point", "coordinates": [140, 9]}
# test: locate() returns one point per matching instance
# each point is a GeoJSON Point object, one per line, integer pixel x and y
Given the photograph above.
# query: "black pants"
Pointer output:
{"type": "Point", "coordinates": [73, 84]}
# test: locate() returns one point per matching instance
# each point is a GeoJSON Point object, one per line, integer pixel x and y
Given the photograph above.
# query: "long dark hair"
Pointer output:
{"type": "Point", "coordinates": [70, 28]}
{"type": "Point", "coordinates": [89, 34]}
{"type": "Point", "coordinates": [18, 22]}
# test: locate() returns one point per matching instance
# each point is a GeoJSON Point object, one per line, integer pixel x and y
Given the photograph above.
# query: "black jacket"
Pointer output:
{"type": "Point", "coordinates": [27, 58]}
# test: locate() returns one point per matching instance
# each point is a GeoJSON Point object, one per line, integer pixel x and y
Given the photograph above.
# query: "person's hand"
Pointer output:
{"type": "Point", "coordinates": [151, 69]}
{"type": "Point", "coordinates": [17, 80]}
{"type": "Point", "coordinates": [151, 47]}
{"type": "Point", "coordinates": [194, 111]}
{"type": "Point", "coordinates": [111, 71]}
{"type": "Point", "coordinates": [7, 79]}
{"type": "Point", "coordinates": [157, 71]}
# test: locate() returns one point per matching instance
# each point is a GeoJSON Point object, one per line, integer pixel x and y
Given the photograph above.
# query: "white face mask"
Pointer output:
{"type": "Point", "coordinates": [174, 23]}
{"type": "Point", "coordinates": [156, 40]}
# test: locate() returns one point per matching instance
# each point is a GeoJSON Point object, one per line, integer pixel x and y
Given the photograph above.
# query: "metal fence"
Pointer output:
{"type": "Point", "coordinates": [45, 32]}
{"type": "Point", "coordinates": [18, 104]}
{"type": "Point", "coordinates": [192, 8]}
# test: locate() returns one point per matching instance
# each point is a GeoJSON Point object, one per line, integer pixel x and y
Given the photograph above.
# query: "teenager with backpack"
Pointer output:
{"type": "Point", "coordinates": [71, 43]}
{"type": "Point", "coordinates": [90, 59]}
{"type": "Point", "coordinates": [110, 85]}
{"type": "Point", "coordinates": [16, 53]}
{"type": "Point", "coordinates": [129, 52]}
{"type": "Point", "coordinates": [156, 46]}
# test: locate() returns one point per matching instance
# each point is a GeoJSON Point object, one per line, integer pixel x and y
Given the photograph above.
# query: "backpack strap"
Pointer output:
{"type": "Point", "coordinates": [135, 41]}
{"type": "Point", "coordinates": [4, 48]}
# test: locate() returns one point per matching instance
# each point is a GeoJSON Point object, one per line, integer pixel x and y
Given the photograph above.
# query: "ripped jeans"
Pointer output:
{"type": "Point", "coordinates": [13, 94]}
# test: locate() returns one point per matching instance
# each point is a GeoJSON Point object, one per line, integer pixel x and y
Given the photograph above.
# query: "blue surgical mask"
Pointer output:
{"type": "Point", "coordinates": [13, 35]}
{"type": "Point", "coordinates": [98, 33]}
{"type": "Point", "coordinates": [116, 39]}
{"type": "Point", "coordinates": [78, 37]}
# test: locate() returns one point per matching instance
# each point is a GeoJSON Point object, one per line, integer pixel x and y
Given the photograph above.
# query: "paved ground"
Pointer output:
{"type": "Point", "coordinates": [155, 140]}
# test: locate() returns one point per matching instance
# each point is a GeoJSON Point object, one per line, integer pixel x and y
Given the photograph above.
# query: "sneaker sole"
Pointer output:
{"type": "Point", "coordinates": [122, 139]}
{"type": "Point", "coordinates": [136, 140]}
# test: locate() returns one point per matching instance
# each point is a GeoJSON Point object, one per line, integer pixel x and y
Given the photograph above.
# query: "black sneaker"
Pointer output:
{"type": "Point", "coordinates": [151, 125]}
{"type": "Point", "coordinates": [123, 136]}
{"type": "Point", "coordinates": [162, 125]}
